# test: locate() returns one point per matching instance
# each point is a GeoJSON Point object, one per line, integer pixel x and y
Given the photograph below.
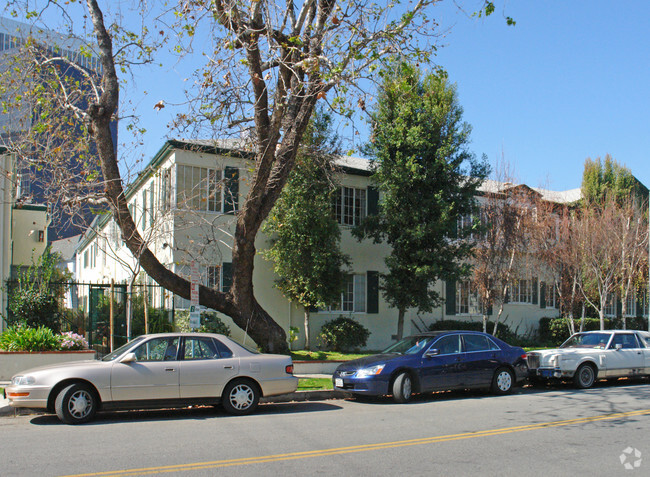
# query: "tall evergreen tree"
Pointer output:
{"type": "Point", "coordinates": [305, 245]}
{"type": "Point", "coordinates": [427, 179]}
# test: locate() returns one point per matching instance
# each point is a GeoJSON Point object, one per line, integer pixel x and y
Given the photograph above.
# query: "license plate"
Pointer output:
{"type": "Point", "coordinates": [338, 382]}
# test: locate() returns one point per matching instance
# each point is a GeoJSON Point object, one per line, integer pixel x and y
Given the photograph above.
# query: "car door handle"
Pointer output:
{"type": "Point", "coordinates": [227, 367]}
{"type": "Point", "coordinates": [170, 369]}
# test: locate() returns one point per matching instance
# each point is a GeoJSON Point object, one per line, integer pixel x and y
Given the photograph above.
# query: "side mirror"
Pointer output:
{"type": "Point", "coordinates": [431, 353]}
{"type": "Point", "coordinates": [618, 346]}
{"type": "Point", "coordinates": [128, 358]}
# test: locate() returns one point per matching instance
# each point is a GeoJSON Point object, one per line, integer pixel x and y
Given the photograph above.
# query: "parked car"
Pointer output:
{"type": "Point", "coordinates": [586, 357]}
{"type": "Point", "coordinates": [153, 371]}
{"type": "Point", "coordinates": [435, 361]}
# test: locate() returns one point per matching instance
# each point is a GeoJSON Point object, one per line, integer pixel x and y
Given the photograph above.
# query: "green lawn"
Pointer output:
{"type": "Point", "coordinates": [314, 384]}
{"type": "Point", "coordinates": [302, 355]}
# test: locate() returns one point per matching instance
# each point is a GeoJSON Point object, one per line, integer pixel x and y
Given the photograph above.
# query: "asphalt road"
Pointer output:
{"type": "Point", "coordinates": [553, 431]}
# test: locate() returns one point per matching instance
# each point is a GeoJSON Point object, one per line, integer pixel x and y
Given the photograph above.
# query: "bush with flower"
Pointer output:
{"type": "Point", "coordinates": [72, 341]}
{"type": "Point", "coordinates": [25, 338]}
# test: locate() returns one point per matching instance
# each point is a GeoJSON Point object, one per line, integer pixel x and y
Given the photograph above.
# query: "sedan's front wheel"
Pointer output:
{"type": "Point", "coordinates": [402, 388]}
{"type": "Point", "coordinates": [76, 404]}
{"type": "Point", "coordinates": [585, 376]}
{"type": "Point", "coordinates": [240, 397]}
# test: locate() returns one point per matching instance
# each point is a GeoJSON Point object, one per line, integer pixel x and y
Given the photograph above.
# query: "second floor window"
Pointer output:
{"type": "Point", "coordinates": [199, 188]}
{"type": "Point", "coordinates": [350, 205]}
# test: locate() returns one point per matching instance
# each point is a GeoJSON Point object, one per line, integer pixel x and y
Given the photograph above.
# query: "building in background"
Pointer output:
{"type": "Point", "coordinates": [33, 181]}
{"type": "Point", "coordinates": [23, 228]}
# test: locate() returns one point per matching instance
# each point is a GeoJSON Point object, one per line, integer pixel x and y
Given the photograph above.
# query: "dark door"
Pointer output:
{"type": "Point", "coordinates": [480, 360]}
{"type": "Point", "coordinates": [441, 370]}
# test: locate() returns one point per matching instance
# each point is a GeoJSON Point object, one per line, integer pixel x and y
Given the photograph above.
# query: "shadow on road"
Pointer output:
{"type": "Point", "coordinates": [191, 413]}
{"type": "Point", "coordinates": [638, 387]}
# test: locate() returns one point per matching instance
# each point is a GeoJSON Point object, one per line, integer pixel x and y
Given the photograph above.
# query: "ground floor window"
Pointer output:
{"type": "Point", "coordinates": [353, 296]}
{"type": "Point", "coordinates": [467, 302]}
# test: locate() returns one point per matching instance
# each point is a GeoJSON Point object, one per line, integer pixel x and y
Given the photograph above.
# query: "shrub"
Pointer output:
{"type": "Point", "coordinates": [343, 334]}
{"type": "Point", "coordinates": [22, 338]}
{"type": "Point", "coordinates": [210, 323]}
{"type": "Point", "coordinates": [503, 330]}
{"type": "Point", "coordinates": [555, 331]}
{"type": "Point", "coordinates": [72, 341]}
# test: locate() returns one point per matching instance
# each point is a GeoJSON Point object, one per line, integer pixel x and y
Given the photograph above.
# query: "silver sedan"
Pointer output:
{"type": "Point", "coordinates": [154, 371]}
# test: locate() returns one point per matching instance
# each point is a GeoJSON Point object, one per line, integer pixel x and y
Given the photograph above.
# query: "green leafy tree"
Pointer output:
{"type": "Point", "coordinates": [305, 245]}
{"type": "Point", "coordinates": [603, 178]}
{"type": "Point", "coordinates": [428, 179]}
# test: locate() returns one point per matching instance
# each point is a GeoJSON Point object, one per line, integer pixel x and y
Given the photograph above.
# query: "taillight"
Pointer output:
{"type": "Point", "coordinates": [524, 356]}
{"type": "Point", "coordinates": [289, 369]}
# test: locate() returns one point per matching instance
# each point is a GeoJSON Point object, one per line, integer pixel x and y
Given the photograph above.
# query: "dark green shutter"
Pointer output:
{"type": "Point", "coordinates": [373, 201]}
{"type": "Point", "coordinates": [372, 291]}
{"type": "Point", "coordinates": [450, 297]}
{"type": "Point", "coordinates": [231, 199]}
{"type": "Point", "coordinates": [639, 305]}
{"type": "Point", "coordinates": [506, 298]}
{"type": "Point", "coordinates": [619, 308]}
{"type": "Point", "coordinates": [542, 294]}
{"type": "Point", "coordinates": [534, 286]}
{"type": "Point", "coordinates": [489, 310]}
{"type": "Point", "coordinates": [226, 276]}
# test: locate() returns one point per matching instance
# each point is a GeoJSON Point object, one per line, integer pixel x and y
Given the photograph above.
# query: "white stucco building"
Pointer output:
{"type": "Point", "coordinates": [183, 204]}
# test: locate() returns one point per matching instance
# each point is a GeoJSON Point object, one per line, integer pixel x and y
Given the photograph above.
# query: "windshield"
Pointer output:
{"type": "Point", "coordinates": [587, 340]}
{"type": "Point", "coordinates": [410, 345]}
{"type": "Point", "coordinates": [121, 349]}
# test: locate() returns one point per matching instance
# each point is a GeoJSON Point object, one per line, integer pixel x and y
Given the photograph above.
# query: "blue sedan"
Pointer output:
{"type": "Point", "coordinates": [435, 361]}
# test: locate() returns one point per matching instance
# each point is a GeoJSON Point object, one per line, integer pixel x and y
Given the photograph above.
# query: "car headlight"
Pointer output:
{"type": "Point", "coordinates": [22, 380]}
{"type": "Point", "coordinates": [371, 371]}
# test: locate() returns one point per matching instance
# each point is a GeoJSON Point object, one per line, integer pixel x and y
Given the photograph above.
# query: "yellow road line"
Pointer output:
{"type": "Point", "coordinates": [361, 448]}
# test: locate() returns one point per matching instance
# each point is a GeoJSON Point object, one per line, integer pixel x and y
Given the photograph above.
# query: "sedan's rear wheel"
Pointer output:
{"type": "Point", "coordinates": [585, 376]}
{"type": "Point", "coordinates": [503, 381]}
{"type": "Point", "coordinates": [240, 397]}
{"type": "Point", "coordinates": [402, 388]}
{"type": "Point", "coordinates": [76, 404]}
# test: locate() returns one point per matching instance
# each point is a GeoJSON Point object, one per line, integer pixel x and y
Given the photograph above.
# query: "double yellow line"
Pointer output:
{"type": "Point", "coordinates": [362, 448]}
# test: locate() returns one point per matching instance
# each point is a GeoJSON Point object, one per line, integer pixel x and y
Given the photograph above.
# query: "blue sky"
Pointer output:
{"type": "Point", "coordinates": [569, 81]}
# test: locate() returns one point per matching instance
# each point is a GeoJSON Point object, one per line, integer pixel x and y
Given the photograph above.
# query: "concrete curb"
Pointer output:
{"type": "Point", "coordinates": [298, 396]}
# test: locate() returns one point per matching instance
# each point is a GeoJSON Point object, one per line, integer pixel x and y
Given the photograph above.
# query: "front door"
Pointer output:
{"type": "Point", "coordinates": [442, 370]}
{"type": "Point", "coordinates": [154, 375]}
{"type": "Point", "coordinates": [628, 359]}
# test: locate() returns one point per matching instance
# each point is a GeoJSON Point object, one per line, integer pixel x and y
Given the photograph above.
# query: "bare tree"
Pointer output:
{"type": "Point", "coordinates": [602, 256]}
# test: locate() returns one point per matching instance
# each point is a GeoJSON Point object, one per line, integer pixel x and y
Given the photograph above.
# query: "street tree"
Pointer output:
{"type": "Point", "coordinates": [427, 178]}
{"type": "Point", "coordinates": [267, 63]}
{"type": "Point", "coordinates": [305, 237]}
{"type": "Point", "coordinates": [603, 178]}
{"type": "Point", "coordinates": [502, 247]}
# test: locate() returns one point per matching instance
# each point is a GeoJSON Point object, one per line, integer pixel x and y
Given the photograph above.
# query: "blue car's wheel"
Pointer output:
{"type": "Point", "coordinates": [503, 381]}
{"type": "Point", "coordinates": [402, 388]}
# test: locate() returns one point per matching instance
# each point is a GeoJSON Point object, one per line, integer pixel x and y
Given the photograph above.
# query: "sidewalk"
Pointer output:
{"type": "Point", "coordinates": [6, 410]}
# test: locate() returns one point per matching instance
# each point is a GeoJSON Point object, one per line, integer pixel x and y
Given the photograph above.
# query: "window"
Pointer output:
{"type": "Point", "coordinates": [631, 305]}
{"type": "Point", "coordinates": [199, 188]}
{"type": "Point", "coordinates": [626, 340]}
{"type": "Point", "coordinates": [474, 343]}
{"type": "Point", "coordinates": [350, 205]}
{"type": "Point", "coordinates": [610, 305]}
{"type": "Point", "coordinates": [467, 302]}
{"type": "Point", "coordinates": [200, 348]}
{"type": "Point", "coordinates": [157, 349]}
{"type": "Point", "coordinates": [353, 297]}
{"type": "Point", "coordinates": [449, 344]}
{"type": "Point", "coordinates": [522, 291]}
{"type": "Point", "coordinates": [165, 190]}
{"type": "Point", "coordinates": [552, 299]}
{"type": "Point", "coordinates": [213, 279]}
